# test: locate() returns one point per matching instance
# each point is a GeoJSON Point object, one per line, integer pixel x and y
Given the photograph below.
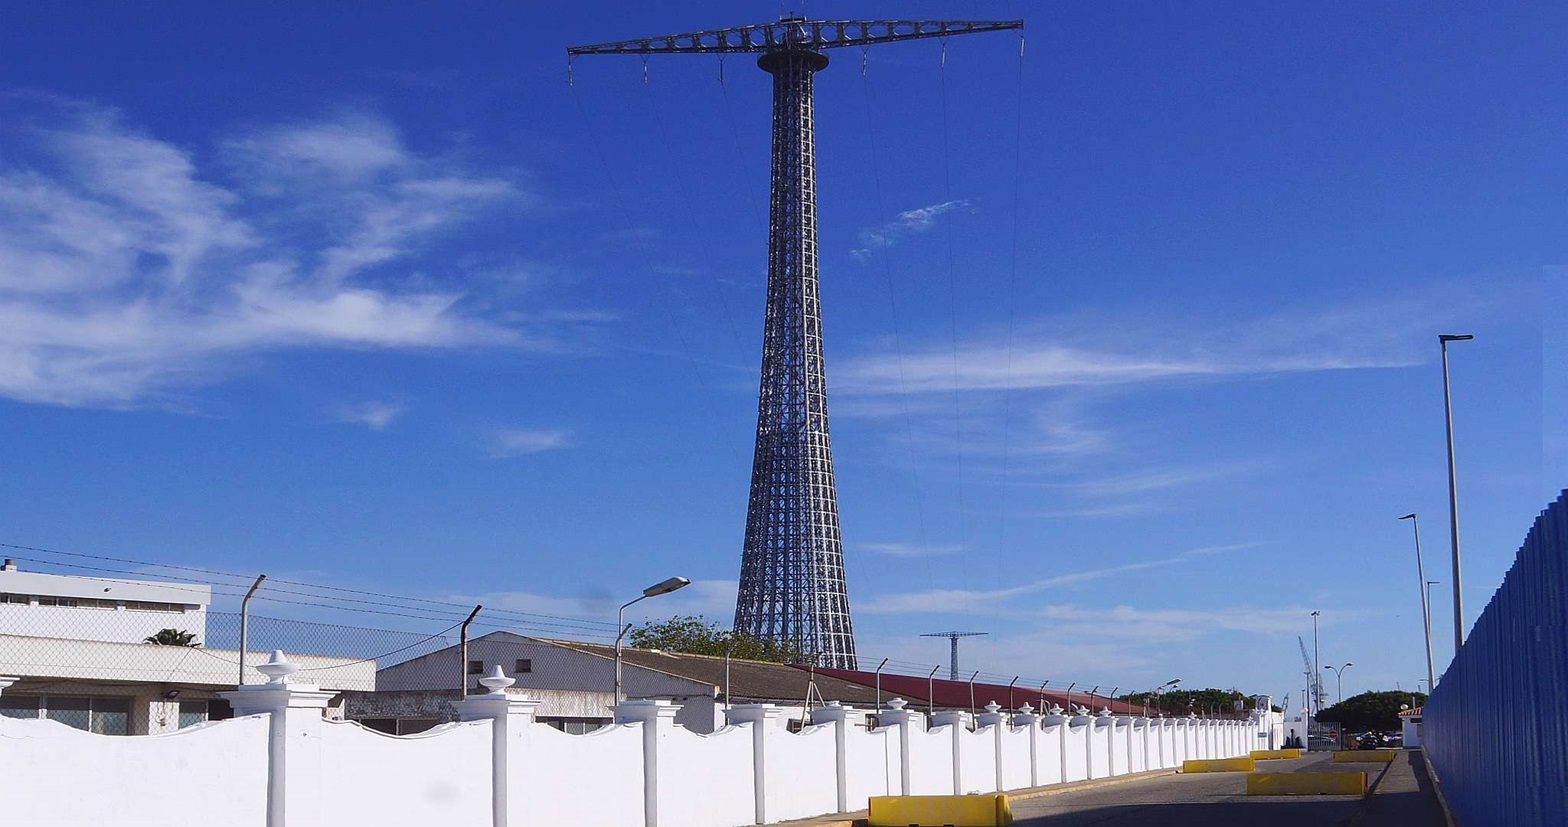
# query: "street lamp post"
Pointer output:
{"type": "Point", "coordinates": [1339, 677]}
{"type": "Point", "coordinates": [1426, 595]}
{"type": "Point", "coordinates": [663, 587]}
{"type": "Point", "coordinates": [1453, 490]}
{"type": "Point", "coordinates": [1317, 688]}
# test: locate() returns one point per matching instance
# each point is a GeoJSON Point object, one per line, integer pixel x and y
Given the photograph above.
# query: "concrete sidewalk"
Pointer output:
{"type": "Point", "coordinates": [1405, 795]}
{"type": "Point", "coordinates": [1401, 794]}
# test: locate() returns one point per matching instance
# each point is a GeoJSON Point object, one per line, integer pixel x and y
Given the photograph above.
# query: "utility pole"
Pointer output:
{"type": "Point", "coordinates": [952, 672]}
{"type": "Point", "coordinates": [792, 585]}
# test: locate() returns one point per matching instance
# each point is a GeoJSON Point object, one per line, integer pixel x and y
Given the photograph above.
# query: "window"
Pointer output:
{"type": "Point", "coordinates": [148, 606]}
{"type": "Point", "coordinates": [73, 712]}
{"type": "Point", "coordinates": [57, 601]}
{"type": "Point", "coordinates": [192, 713]}
{"type": "Point", "coordinates": [19, 706]}
{"type": "Point", "coordinates": [476, 667]}
{"type": "Point", "coordinates": [16, 598]}
{"type": "Point", "coordinates": [111, 716]}
{"type": "Point", "coordinates": [105, 716]}
{"type": "Point", "coordinates": [524, 666]}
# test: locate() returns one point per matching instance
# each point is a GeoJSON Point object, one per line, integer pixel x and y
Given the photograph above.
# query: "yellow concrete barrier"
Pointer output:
{"type": "Point", "coordinates": [1306, 783]}
{"type": "Point", "coordinates": [988, 810]}
{"type": "Point", "coordinates": [1219, 765]}
{"type": "Point", "coordinates": [1270, 754]}
{"type": "Point", "coordinates": [1364, 756]}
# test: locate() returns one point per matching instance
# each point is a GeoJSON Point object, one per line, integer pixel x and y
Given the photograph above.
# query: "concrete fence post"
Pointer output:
{"type": "Point", "coordinates": [834, 713]}
{"type": "Point", "coordinates": [293, 743]}
{"type": "Point", "coordinates": [1106, 722]}
{"type": "Point", "coordinates": [1029, 722]}
{"type": "Point", "coordinates": [897, 716]}
{"type": "Point", "coordinates": [764, 720]}
{"type": "Point", "coordinates": [1084, 720]}
{"type": "Point", "coordinates": [509, 717]}
{"type": "Point", "coordinates": [656, 718]}
{"type": "Point", "coordinates": [956, 721]}
{"type": "Point", "coordinates": [1125, 723]}
{"type": "Point", "coordinates": [1058, 720]}
{"type": "Point", "coordinates": [994, 718]}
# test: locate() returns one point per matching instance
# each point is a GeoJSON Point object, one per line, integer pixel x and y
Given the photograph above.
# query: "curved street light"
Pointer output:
{"type": "Point", "coordinates": [1426, 593]}
{"type": "Point", "coordinates": [1339, 677]}
{"type": "Point", "coordinates": [662, 587]}
{"type": "Point", "coordinates": [1453, 490]}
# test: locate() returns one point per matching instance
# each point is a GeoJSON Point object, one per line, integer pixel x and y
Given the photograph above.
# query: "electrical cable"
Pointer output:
{"type": "Point", "coordinates": [892, 303]}
{"type": "Point", "coordinates": [952, 305]}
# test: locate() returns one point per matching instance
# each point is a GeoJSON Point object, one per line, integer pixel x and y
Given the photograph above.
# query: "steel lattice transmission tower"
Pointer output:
{"type": "Point", "coordinates": [792, 566]}
{"type": "Point", "coordinates": [952, 669]}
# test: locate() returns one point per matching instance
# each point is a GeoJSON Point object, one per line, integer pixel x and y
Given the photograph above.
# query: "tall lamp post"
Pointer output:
{"type": "Point", "coordinates": [663, 587]}
{"type": "Point", "coordinates": [1158, 691]}
{"type": "Point", "coordinates": [1317, 686]}
{"type": "Point", "coordinates": [1339, 676]}
{"type": "Point", "coordinates": [1453, 491]}
{"type": "Point", "coordinates": [1426, 595]}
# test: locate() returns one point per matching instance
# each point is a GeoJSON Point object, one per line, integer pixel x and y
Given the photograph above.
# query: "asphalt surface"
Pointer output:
{"type": "Point", "coordinates": [1209, 799]}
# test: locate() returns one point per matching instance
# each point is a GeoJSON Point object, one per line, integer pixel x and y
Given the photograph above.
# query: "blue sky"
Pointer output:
{"type": "Point", "coordinates": [1131, 342]}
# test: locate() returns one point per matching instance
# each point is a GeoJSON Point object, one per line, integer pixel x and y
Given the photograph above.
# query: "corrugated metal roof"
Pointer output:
{"type": "Point", "coordinates": [955, 694]}
{"type": "Point", "coordinates": [750, 680]}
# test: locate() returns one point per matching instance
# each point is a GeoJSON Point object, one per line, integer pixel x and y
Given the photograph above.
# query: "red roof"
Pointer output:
{"type": "Point", "coordinates": [955, 694]}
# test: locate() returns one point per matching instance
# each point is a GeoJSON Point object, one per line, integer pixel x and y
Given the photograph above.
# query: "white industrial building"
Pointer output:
{"type": "Point", "coordinates": [75, 650]}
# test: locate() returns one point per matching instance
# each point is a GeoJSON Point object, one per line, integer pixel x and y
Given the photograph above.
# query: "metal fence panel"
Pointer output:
{"type": "Point", "coordinates": [1497, 724]}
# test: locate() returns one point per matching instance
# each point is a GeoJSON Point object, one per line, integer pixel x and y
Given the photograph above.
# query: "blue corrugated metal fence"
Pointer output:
{"type": "Point", "coordinates": [1496, 727]}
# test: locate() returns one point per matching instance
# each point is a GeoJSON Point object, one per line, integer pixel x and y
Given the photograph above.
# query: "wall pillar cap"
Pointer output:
{"type": "Point", "coordinates": [278, 668]}
{"type": "Point", "coordinates": [496, 681]}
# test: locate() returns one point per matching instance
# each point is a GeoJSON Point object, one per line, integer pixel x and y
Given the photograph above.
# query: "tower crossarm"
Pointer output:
{"type": "Point", "coordinates": [795, 34]}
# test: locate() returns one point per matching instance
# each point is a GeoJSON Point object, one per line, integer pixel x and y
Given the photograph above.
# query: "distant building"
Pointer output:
{"type": "Point", "coordinates": [75, 650]}
{"type": "Point", "coordinates": [575, 683]}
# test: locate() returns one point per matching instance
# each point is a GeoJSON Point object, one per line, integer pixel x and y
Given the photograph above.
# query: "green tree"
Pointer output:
{"type": "Point", "coordinates": [1371, 711]}
{"type": "Point", "coordinates": [695, 635]}
{"type": "Point", "coordinates": [172, 637]}
{"type": "Point", "coordinates": [1184, 701]}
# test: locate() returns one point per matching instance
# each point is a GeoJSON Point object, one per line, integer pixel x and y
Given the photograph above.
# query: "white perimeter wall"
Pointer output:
{"type": "Point", "coordinates": [213, 773]}
{"type": "Point", "coordinates": [338, 773]}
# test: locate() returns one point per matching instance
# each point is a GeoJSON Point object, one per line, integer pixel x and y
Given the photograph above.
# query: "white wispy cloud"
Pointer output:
{"type": "Point", "coordinates": [503, 443]}
{"type": "Point", "coordinates": [374, 415]}
{"type": "Point", "coordinates": [997, 601]}
{"type": "Point", "coordinates": [908, 222]}
{"type": "Point", "coordinates": [1111, 351]}
{"type": "Point", "coordinates": [126, 270]}
{"type": "Point", "coordinates": [909, 549]}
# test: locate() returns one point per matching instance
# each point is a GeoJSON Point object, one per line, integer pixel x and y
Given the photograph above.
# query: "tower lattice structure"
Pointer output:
{"type": "Point", "coordinates": [792, 585]}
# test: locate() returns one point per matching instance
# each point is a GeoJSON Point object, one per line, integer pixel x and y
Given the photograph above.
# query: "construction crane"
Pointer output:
{"type": "Point", "coordinates": [1314, 683]}
{"type": "Point", "coordinates": [952, 672]}
{"type": "Point", "coordinates": [792, 587]}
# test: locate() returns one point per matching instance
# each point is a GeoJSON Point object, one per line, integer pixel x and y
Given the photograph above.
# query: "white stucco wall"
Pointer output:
{"type": "Point", "coordinates": [1015, 756]}
{"type": "Point", "coordinates": [871, 759]}
{"type": "Point", "coordinates": [340, 773]}
{"type": "Point", "coordinates": [441, 776]}
{"type": "Point", "coordinates": [931, 761]}
{"type": "Point", "coordinates": [707, 780]}
{"type": "Point", "coordinates": [1049, 751]}
{"type": "Point", "coordinates": [977, 760]}
{"type": "Point", "coordinates": [811, 783]}
{"type": "Point", "coordinates": [581, 780]}
{"type": "Point", "coordinates": [51, 774]}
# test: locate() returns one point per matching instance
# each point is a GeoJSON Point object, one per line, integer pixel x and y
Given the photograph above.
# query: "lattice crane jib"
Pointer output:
{"type": "Point", "coordinates": [792, 586]}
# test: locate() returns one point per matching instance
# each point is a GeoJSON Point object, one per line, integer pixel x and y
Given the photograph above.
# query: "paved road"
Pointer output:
{"type": "Point", "coordinates": [1202, 800]}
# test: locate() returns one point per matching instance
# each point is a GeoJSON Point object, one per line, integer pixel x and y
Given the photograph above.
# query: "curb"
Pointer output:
{"type": "Point", "coordinates": [858, 818]}
{"type": "Point", "coordinates": [1437, 787]}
